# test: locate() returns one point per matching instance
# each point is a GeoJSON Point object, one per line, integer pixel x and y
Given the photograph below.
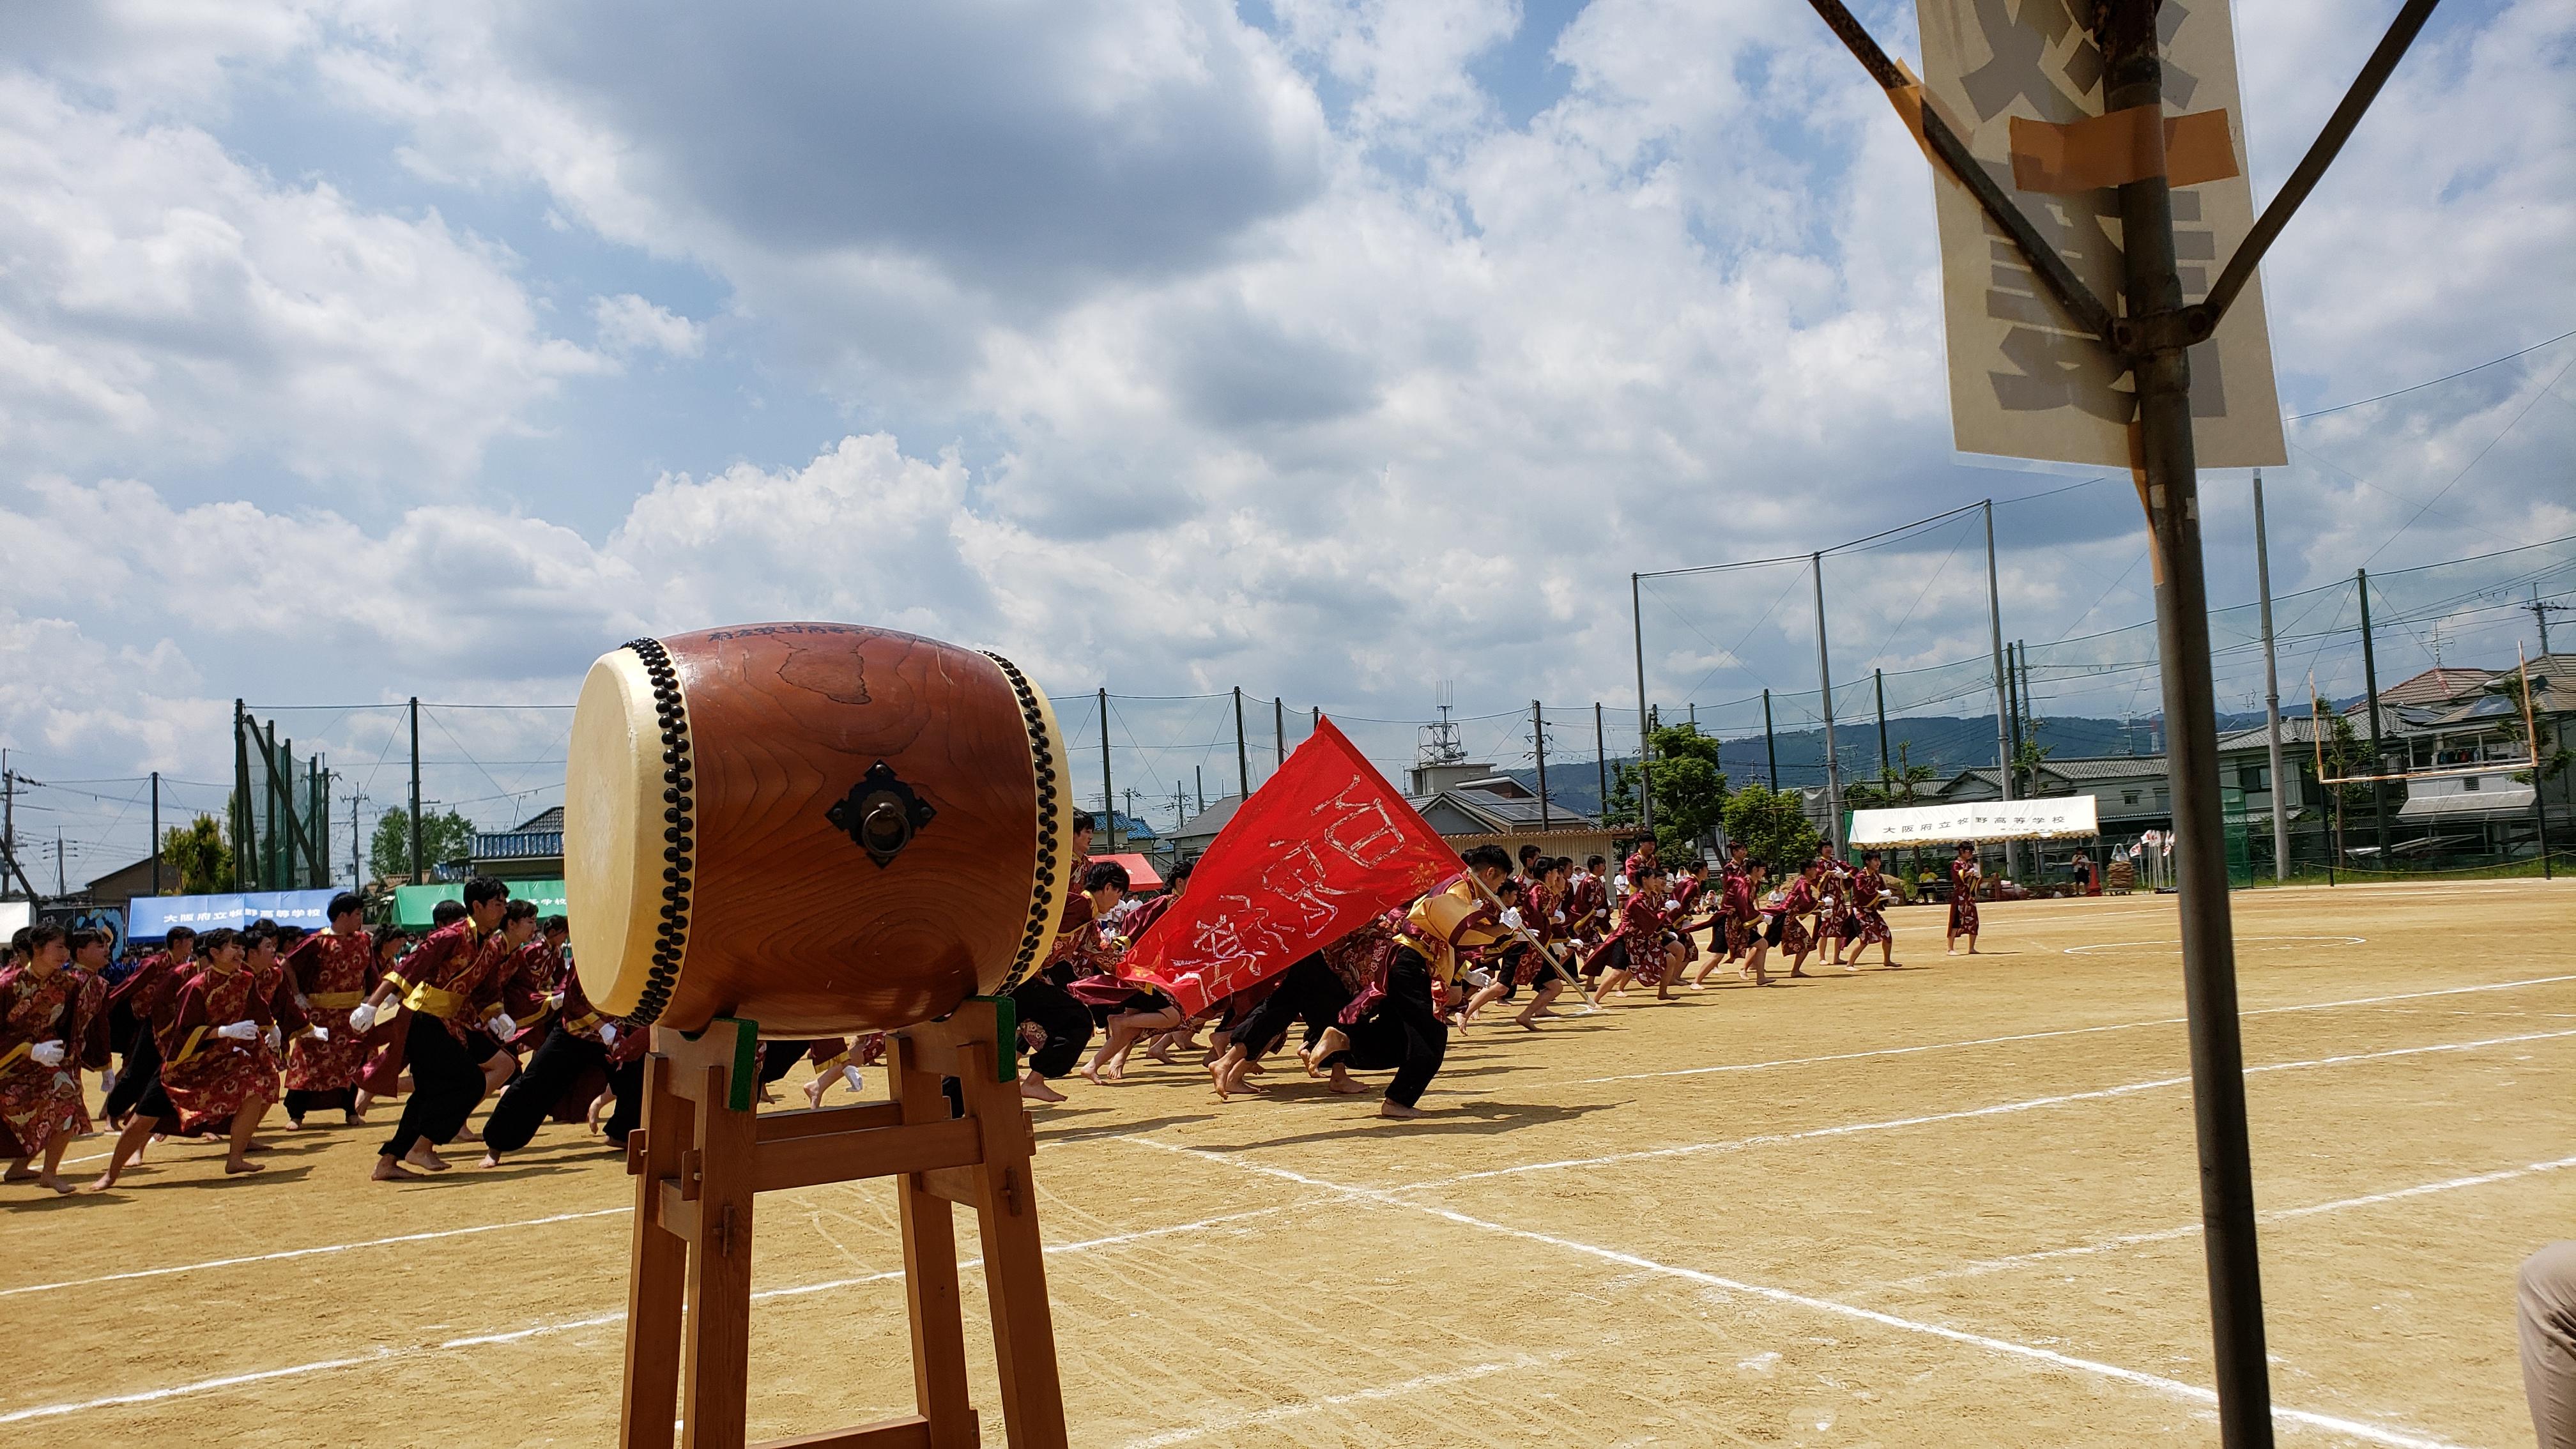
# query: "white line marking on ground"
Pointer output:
{"type": "Point", "coordinates": [1332, 1401]}
{"type": "Point", "coordinates": [1997, 1109]}
{"type": "Point", "coordinates": [2171, 1387]}
{"type": "Point", "coordinates": [2188, 1230]}
{"type": "Point", "coordinates": [385, 1352]}
{"type": "Point", "coordinates": [2177, 945]}
{"type": "Point", "coordinates": [1943, 1046]}
{"type": "Point", "coordinates": [310, 1252]}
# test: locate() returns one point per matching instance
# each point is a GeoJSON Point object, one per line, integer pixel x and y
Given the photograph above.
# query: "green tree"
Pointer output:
{"type": "Point", "coordinates": [2551, 760]}
{"type": "Point", "coordinates": [203, 856]}
{"type": "Point", "coordinates": [1901, 784]}
{"type": "Point", "coordinates": [442, 838]}
{"type": "Point", "coordinates": [1690, 791]}
{"type": "Point", "coordinates": [1774, 827]}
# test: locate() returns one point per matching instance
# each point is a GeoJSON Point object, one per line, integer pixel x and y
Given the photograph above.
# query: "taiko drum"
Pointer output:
{"type": "Point", "coordinates": [822, 828]}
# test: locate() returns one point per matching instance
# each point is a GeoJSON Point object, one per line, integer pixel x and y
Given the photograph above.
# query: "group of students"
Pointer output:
{"type": "Point", "coordinates": [1386, 995]}
{"type": "Point", "coordinates": [210, 1033]}
{"type": "Point", "coordinates": [206, 1036]}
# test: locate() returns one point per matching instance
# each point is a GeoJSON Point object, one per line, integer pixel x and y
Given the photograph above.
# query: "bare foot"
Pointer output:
{"type": "Point", "coordinates": [1332, 1043]}
{"type": "Point", "coordinates": [814, 1092]}
{"type": "Point", "coordinates": [238, 1166]}
{"type": "Point", "coordinates": [51, 1181]}
{"type": "Point", "coordinates": [387, 1170]}
{"type": "Point", "coordinates": [1342, 1084]}
{"type": "Point", "coordinates": [490, 1161]}
{"type": "Point", "coordinates": [19, 1172]}
{"type": "Point", "coordinates": [105, 1181]}
{"type": "Point", "coordinates": [1161, 1051]}
{"type": "Point", "coordinates": [427, 1159]}
{"type": "Point", "coordinates": [1398, 1110]}
{"type": "Point", "coordinates": [1034, 1088]}
{"type": "Point", "coordinates": [353, 1117]}
{"type": "Point", "coordinates": [468, 1134]}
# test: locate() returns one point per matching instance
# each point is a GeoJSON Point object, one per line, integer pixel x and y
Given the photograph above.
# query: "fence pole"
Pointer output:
{"type": "Point", "coordinates": [1279, 725]}
{"type": "Point", "coordinates": [1198, 777]}
{"type": "Point", "coordinates": [2271, 693]}
{"type": "Point", "coordinates": [2003, 706]}
{"type": "Point", "coordinates": [1108, 791]}
{"type": "Point", "coordinates": [1825, 688]}
{"type": "Point", "coordinates": [1878, 679]}
{"type": "Point", "coordinates": [2370, 686]}
{"type": "Point", "coordinates": [156, 832]}
{"type": "Point", "coordinates": [1538, 738]}
{"type": "Point", "coordinates": [2531, 737]}
{"type": "Point", "coordinates": [1645, 727]}
{"type": "Point", "coordinates": [1242, 758]}
{"type": "Point", "coordinates": [240, 811]}
{"type": "Point", "coordinates": [416, 876]}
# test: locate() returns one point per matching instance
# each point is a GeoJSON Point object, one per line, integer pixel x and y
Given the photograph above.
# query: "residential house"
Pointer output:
{"type": "Point", "coordinates": [531, 850]}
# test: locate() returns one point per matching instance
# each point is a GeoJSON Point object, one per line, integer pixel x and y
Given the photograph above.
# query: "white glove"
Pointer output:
{"type": "Point", "coordinates": [607, 1034]}
{"type": "Point", "coordinates": [1480, 979]}
{"type": "Point", "coordinates": [275, 1041]}
{"type": "Point", "coordinates": [321, 1033]}
{"type": "Point", "coordinates": [1512, 917]}
{"type": "Point", "coordinates": [47, 1053]}
{"type": "Point", "coordinates": [503, 1026]}
{"type": "Point", "coordinates": [362, 1017]}
{"type": "Point", "coordinates": [238, 1031]}
{"type": "Point", "coordinates": [554, 999]}
{"type": "Point", "coordinates": [851, 1076]}
{"type": "Point", "coordinates": [1559, 918]}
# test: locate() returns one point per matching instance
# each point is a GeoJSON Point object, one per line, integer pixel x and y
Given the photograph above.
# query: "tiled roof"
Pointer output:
{"type": "Point", "coordinates": [2295, 730]}
{"type": "Point", "coordinates": [2435, 686]}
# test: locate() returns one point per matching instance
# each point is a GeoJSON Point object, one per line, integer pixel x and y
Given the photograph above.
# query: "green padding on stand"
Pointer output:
{"type": "Point", "coordinates": [1006, 1035]}
{"type": "Point", "coordinates": [744, 1080]}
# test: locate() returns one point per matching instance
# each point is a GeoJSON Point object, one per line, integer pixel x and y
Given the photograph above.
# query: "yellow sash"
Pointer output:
{"type": "Point", "coordinates": [584, 1024]}
{"type": "Point", "coordinates": [337, 1000]}
{"type": "Point", "coordinates": [188, 1048]}
{"type": "Point", "coordinates": [15, 1052]}
{"type": "Point", "coordinates": [436, 1001]}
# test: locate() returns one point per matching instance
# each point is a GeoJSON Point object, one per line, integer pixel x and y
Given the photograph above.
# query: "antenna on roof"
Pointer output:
{"type": "Point", "coordinates": [1440, 744]}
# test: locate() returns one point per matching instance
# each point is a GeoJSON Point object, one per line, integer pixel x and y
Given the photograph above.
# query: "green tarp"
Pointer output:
{"type": "Point", "coordinates": [412, 904]}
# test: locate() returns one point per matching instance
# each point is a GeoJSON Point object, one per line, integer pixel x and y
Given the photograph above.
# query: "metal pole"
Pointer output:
{"type": "Point", "coordinates": [1242, 758]}
{"type": "Point", "coordinates": [1645, 730]}
{"type": "Point", "coordinates": [1279, 726]}
{"type": "Point", "coordinates": [2531, 736]}
{"type": "Point", "coordinates": [1825, 688]}
{"type": "Point", "coordinates": [1314, 719]}
{"type": "Point", "coordinates": [1198, 776]}
{"type": "Point", "coordinates": [2540, 611]}
{"type": "Point", "coordinates": [2370, 687]}
{"type": "Point", "coordinates": [1538, 737]}
{"type": "Point", "coordinates": [2271, 693]}
{"type": "Point", "coordinates": [240, 811]}
{"type": "Point", "coordinates": [1878, 678]}
{"type": "Point", "coordinates": [1770, 746]}
{"type": "Point", "coordinates": [61, 887]}
{"type": "Point", "coordinates": [415, 790]}
{"type": "Point", "coordinates": [2003, 706]}
{"type": "Point", "coordinates": [2133, 76]}
{"type": "Point", "coordinates": [156, 832]}
{"type": "Point", "coordinates": [1601, 755]}
{"type": "Point", "coordinates": [1108, 790]}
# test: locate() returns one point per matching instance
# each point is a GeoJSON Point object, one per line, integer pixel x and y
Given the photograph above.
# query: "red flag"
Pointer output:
{"type": "Point", "coordinates": [1316, 851]}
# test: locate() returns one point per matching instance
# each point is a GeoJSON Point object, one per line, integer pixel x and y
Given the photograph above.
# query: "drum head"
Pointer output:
{"type": "Point", "coordinates": [613, 785]}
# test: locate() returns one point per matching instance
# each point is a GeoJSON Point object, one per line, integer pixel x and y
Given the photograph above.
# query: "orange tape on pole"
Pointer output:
{"type": "Point", "coordinates": [2120, 147]}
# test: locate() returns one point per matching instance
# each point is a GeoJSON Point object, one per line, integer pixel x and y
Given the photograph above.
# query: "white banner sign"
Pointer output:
{"type": "Point", "coordinates": [2045, 819]}
{"type": "Point", "coordinates": [2024, 382]}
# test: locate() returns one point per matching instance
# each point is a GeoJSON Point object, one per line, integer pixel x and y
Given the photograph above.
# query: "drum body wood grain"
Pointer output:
{"type": "Point", "coordinates": [822, 828]}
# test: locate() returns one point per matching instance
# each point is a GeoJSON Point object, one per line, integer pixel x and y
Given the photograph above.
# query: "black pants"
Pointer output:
{"type": "Point", "coordinates": [1067, 1024]}
{"type": "Point", "coordinates": [1405, 1027]}
{"type": "Point", "coordinates": [300, 1101]}
{"type": "Point", "coordinates": [777, 1057]}
{"type": "Point", "coordinates": [1307, 992]}
{"type": "Point", "coordinates": [626, 1079]}
{"type": "Point", "coordinates": [141, 1073]}
{"type": "Point", "coordinates": [560, 1061]}
{"type": "Point", "coordinates": [446, 1082]}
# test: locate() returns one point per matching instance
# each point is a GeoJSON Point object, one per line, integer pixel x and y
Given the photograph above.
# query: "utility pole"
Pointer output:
{"type": "Point", "coordinates": [2003, 704]}
{"type": "Point", "coordinates": [1770, 746]}
{"type": "Point", "coordinates": [1601, 755]}
{"type": "Point", "coordinates": [416, 876]}
{"type": "Point", "coordinates": [1538, 737]}
{"type": "Point", "coordinates": [2272, 691]}
{"type": "Point", "coordinates": [156, 832]}
{"type": "Point", "coordinates": [1878, 678]}
{"type": "Point", "coordinates": [357, 861]}
{"type": "Point", "coordinates": [1108, 792]}
{"type": "Point", "coordinates": [1825, 689]}
{"type": "Point", "coordinates": [2370, 687]}
{"type": "Point", "coordinates": [1645, 728]}
{"type": "Point", "coordinates": [1198, 773]}
{"type": "Point", "coordinates": [1279, 726]}
{"type": "Point", "coordinates": [2540, 611]}
{"type": "Point", "coordinates": [60, 889]}
{"type": "Point", "coordinates": [1242, 759]}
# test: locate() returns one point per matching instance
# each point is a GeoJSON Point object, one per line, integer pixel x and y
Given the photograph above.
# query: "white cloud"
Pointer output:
{"type": "Point", "coordinates": [628, 323]}
{"type": "Point", "coordinates": [165, 304]}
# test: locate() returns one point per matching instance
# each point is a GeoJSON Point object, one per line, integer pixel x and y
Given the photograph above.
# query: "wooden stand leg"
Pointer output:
{"type": "Point", "coordinates": [930, 1271]}
{"type": "Point", "coordinates": [1014, 1260]}
{"type": "Point", "coordinates": [657, 1268]}
{"type": "Point", "coordinates": [718, 1366]}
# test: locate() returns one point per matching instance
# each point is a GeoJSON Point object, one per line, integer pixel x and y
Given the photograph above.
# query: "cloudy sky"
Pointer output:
{"type": "Point", "coordinates": [350, 352]}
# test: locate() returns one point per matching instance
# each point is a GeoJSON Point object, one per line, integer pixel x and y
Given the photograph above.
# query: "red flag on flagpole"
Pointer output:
{"type": "Point", "coordinates": [1316, 851]}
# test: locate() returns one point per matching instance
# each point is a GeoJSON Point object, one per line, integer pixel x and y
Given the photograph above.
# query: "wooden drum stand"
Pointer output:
{"type": "Point", "coordinates": [703, 1153]}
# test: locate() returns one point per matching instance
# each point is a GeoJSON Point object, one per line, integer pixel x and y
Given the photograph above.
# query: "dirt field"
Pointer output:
{"type": "Point", "coordinates": [1949, 1205]}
